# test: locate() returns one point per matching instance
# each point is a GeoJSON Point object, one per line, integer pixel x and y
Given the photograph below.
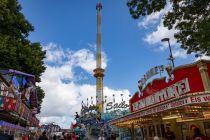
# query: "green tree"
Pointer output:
{"type": "Point", "coordinates": [190, 17]}
{"type": "Point", "coordinates": [40, 95]}
{"type": "Point", "coordinates": [17, 51]}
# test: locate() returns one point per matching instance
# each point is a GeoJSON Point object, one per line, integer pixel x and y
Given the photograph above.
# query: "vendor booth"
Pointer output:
{"type": "Point", "coordinates": [180, 102]}
{"type": "Point", "coordinates": [18, 102]}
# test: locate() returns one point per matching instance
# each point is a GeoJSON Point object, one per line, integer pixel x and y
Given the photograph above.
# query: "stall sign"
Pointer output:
{"type": "Point", "coordinates": [178, 103]}
{"type": "Point", "coordinates": [121, 105]}
{"type": "Point", "coordinates": [153, 71]}
{"type": "Point", "coordinates": [186, 80]}
{"type": "Point", "coordinates": [173, 91]}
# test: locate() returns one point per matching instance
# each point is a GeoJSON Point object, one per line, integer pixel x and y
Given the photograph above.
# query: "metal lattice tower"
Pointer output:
{"type": "Point", "coordinates": [99, 72]}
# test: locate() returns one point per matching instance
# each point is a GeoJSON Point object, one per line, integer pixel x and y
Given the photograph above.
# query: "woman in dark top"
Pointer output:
{"type": "Point", "coordinates": [198, 135]}
{"type": "Point", "coordinates": [43, 137]}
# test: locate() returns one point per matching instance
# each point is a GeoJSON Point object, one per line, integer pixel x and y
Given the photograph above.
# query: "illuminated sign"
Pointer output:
{"type": "Point", "coordinates": [186, 80]}
{"type": "Point", "coordinates": [173, 91]}
{"type": "Point", "coordinates": [178, 103]}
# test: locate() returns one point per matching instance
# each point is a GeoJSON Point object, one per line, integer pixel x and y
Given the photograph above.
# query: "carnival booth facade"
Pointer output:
{"type": "Point", "coordinates": [181, 103]}
{"type": "Point", "coordinates": [18, 102]}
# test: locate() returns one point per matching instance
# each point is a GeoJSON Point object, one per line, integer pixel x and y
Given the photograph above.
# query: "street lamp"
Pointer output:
{"type": "Point", "coordinates": [171, 58]}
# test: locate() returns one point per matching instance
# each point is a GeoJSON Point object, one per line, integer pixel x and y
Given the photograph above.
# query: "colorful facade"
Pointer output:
{"type": "Point", "coordinates": [181, 103]}
{"type": "Point", "coordinates": [18, 101]}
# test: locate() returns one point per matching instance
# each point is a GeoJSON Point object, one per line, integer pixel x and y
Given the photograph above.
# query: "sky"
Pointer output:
{"type": "Point", "coordinates": [67, 31]}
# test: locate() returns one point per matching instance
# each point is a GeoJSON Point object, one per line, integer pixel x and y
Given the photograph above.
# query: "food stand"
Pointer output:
{"type": "Point", "coordinates": [181, 102]}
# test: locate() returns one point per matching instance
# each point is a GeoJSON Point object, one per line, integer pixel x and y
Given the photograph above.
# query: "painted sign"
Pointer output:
{"type": "Point", "coordinates": [187, 80]}
{"type": "Point", "coordinates": [171, 105]}
{"type": "Point", "coordinates": [121, 105]}
{"type": "Point", "coordinates": [179, 88]}
{"type": "Point", "coordinates": [178, 103]}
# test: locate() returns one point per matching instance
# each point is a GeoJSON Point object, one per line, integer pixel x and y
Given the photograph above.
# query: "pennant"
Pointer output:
{"type": "Point", "coordinates": [10, 103]}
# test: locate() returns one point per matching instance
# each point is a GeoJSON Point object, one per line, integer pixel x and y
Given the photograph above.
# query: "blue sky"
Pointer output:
{"type": "Point", "coordinates": [69, 28]}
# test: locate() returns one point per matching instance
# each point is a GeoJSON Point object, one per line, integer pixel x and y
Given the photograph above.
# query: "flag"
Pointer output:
{"type": "Point", "coordinates": [10, 103]}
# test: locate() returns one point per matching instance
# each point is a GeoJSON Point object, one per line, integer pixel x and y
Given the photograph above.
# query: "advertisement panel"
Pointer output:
{"type": "Point", "coordinates": [186, 80]}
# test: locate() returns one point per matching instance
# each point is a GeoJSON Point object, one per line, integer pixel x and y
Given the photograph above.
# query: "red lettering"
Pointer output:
{"type": "Point", "coordinates": [196, 99]}
{"type": "Point", "coordinates": [193, 99]}
{"type": "Point", "coordinates": [206, 98]}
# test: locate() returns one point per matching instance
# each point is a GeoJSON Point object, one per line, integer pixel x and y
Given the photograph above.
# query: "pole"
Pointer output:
{"type": "Point", "coordinates": [171, 56]}
{"type": "Point", "coordinates": [132, 132]}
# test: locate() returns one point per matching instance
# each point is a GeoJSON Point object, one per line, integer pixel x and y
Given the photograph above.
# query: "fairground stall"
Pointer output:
{"type": "Point", "coordinates": [90, 123]}
{"type": "Point", "coordinates": [18, 103]}
{"type": "Point", "coordinates": [180, 102]}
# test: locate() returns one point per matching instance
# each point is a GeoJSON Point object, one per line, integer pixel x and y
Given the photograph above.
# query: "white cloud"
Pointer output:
{"type": "Point", "coordinates": [117, 92]}
{"type": "Point", "coordinates": [54, 53]}
{"type": "Point", "coordinates": [203, 57]}
{"type": "Point", "coordinates": [160, 33]}
{"type": "Point", "coordinates": [180, 53]}
{"type": "Point", "coordinates": [63, 99]}
{"type": "Point", "coordinates": [154, 18]}
{"type": "Point", "coordinates": [86, 60]}
{"type": "Point", "coordinates": [155, 37]}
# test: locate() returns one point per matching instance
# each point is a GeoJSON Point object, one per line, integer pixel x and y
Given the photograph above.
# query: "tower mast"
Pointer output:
{"type": "Point", "coordinates": [99, 72]}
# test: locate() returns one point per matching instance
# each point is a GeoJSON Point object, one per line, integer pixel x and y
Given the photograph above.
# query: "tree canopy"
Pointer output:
{"type": "Point", "coordinates": [190, 17]}
{"type": "Point", "coordinates": [16, 50]}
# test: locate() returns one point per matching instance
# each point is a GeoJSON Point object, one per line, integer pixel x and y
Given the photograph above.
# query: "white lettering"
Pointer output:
{"type": "Point", "coordinates": [183, 86]}
{"type": "Point", "coordinates": [172, 91]}
{"type": "Point", "coordinates": [175, 90]}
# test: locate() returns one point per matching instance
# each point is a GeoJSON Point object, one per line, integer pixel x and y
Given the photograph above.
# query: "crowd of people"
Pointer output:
{"type": "Point", "coordinates": [169, 135]}
{"type": "Point", "coordinates": [63, 136]}
{"type": "Point", "coordinates": [39, 136]}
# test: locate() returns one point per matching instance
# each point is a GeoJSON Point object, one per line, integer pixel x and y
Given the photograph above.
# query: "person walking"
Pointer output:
{"type": "Point", "coordinates": [43, 136]}
{"type": "Point", "coordinates": [54, 137]}
{"type": "Point", "coordinates": [63, 136]}
{"type": "Point", "coordinates": [101, 137]}
{"type": "Point", "coordinates": [198, 135]}
{"type": "Point", "coordinates": [73, 136]}
{"type": "Point", "coordinates": [169, 135]}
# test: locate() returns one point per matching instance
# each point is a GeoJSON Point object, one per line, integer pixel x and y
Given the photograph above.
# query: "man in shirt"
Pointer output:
{"type": "Point", "coordinates": [169, 135]}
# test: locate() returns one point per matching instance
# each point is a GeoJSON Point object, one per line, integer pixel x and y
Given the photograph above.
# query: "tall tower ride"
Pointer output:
{"type": "Point", "coordinates": [99, 72]}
